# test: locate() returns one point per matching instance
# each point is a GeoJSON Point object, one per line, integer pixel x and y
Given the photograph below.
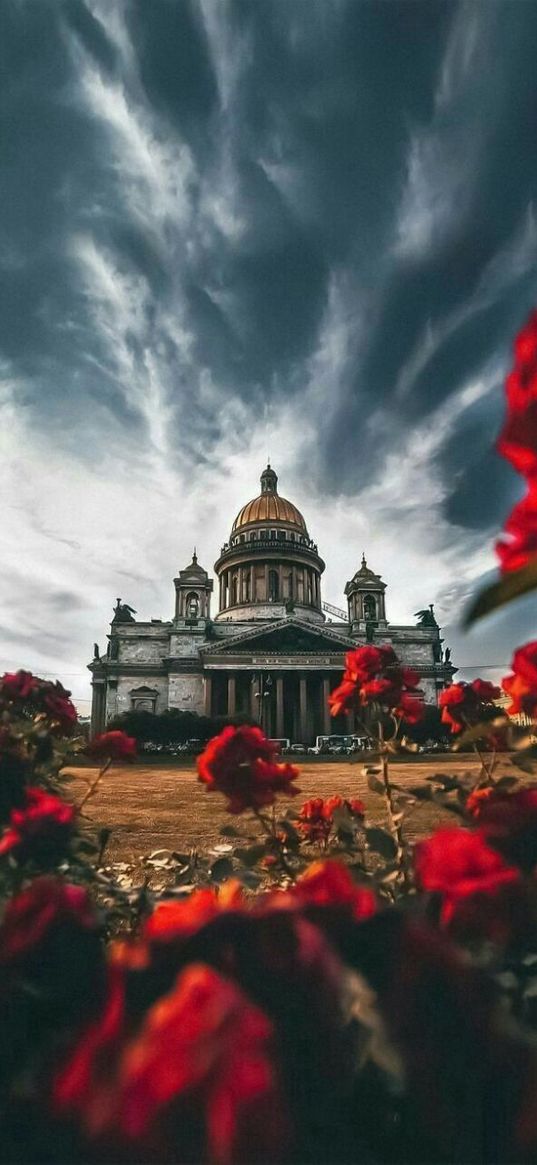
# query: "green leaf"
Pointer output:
{"type": "Point", "coordinates": [523, 762]}
{"type": "Point", "coordinates": [221, 870]}
{"type": "Point", "coordinates": [375, 785]}
{"type": "Point", "coordinates": [510, 586]}
{"type": "Point", "coordinates": [250, 855]}
{"type": "Point", "coordinates": [445, 780]}
{"type": "Point", "coordinates": [421, 792]}
{"type": "Point", "coordinates": [290, 832]}
{"type": "Point", "coordinates": [85, 846]}
{"type": "Point", "coordinates": [229, 831]}
{"type": "Point", "coordinates": [506, 783]}
{"type": "Point", "coordinates": [382, 842]}
{"type": "Point", "coordinates": [479, 732]}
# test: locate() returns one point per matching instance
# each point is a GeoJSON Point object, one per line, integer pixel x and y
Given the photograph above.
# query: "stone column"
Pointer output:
{"type": "Point", "coordinates": [231, 695]}
{"type": "Point", "coordinates": [98, 706]}
{"type": "Point", "coordinates": [208, 694]}
{"type": "Point", "coordinates": [325, 711]}
{"type": "Point", "coordinates": [303, 704]}
{"type": "Point", "coordinates": [279, 706]}
{"type": "Point", "coordinates": [255, 711]}
{"type": "Point", "coordinates": [266, 582]}
{"type": "Point", "coordinates": [252, 584]}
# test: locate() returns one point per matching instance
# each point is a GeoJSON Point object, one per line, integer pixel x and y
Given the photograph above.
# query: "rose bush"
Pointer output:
{"type": "Point", "coordinates": [375, 1003]}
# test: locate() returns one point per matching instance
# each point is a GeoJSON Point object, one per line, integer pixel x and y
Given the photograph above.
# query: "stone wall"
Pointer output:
{"type": "Point", "coordinates": [143, 650]}
{"type": "Point", "coordinates": [187, 692]}
{"type": "Point", "coordinates": [119, 699]}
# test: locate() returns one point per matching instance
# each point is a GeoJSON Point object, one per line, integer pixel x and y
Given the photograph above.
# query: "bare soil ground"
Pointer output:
{"type": "Point", "coordinates": [148, 807]}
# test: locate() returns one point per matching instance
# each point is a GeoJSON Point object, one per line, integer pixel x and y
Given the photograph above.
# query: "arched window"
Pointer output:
{"type": "Point", "coordinates": [370, 607]}
{"type": "Point", "coordinates": [192, 605]}
{"type": "Point", "coordinates": [234, 590]}
{"type": "Point", "coordinates": [274, 585]}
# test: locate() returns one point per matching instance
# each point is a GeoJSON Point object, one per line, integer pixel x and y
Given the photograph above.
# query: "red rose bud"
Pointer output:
{"type": "Point", "coordinates": [113, 745]}
{"type": "Point", "coordinates": [240, 764]}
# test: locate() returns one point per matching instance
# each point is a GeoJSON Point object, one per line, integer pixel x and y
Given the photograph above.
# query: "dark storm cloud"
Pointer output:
{"type": "Point", "coordinates": [215, 208]}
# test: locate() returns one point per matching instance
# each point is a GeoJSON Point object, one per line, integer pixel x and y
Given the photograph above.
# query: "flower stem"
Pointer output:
{"type": "Point", "coordinates": [95, 784]}
{"type": "Point", "coordinates": [395, 825]}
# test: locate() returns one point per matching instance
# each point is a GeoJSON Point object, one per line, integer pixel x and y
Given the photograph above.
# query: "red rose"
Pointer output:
{"type": "Point", "coordinates": [519, 537]}
{"type": "Point", "coordinates": [518, 444]}
{"type": "Point", "coordinates": [197, 1081]}
{"type": "Point", "coordinates": [55, 702]}
{"type": "Point", "coordinates": [113, 745]}
{"type": "Point", "coordinates": [508, 822]}
{"type": "Point", "coordinates": [343, 698]}
{"type": "Point", "coordinates": [458, 864]}
{"type": "Point", "coordinates": [374, 675]}
{"type": "Point", "coordinates": [522, 685]}
{"type": "Point", "coordinates": [465, 705]}
{"type": "Point", "coordinates": [313, 821]}
{"type": "Point", "coordinates": [329, 883]}
{"type": "Point", "coordinates": [240, 764]}
{"type": "Point", "coordinates": [47, 905]}
{"type": "Point", "coordinates": [18, 686]}
{"type": "Point", "coordinates": [518, 439]}
{"type": "Point", "coordinates": [40, 830]}
{"type": "Point", "coordinates": [39, 696]}
{"type": "Point", "coordinates": [486, 691]}
{"type": "Point", "coordinates": [363, 663]}
{"type": "Point", "coordinates": [181, 918]}
{"type": "Point", "coordinates": [410, 708]}
{"type": "Point", "coordinates": [478, 799]}
{"type": "Point", "coordinates": [356, 807]}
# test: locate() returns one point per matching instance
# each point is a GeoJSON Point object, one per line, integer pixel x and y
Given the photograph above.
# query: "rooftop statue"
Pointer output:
{"type": "Point", "coordinates": [123, 613]}
{"type": "Point", "coordinates": [426, 617]}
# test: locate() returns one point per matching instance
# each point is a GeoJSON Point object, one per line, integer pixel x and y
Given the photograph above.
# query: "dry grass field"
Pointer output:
{"type": "Point", "coordinates": [148, 807]}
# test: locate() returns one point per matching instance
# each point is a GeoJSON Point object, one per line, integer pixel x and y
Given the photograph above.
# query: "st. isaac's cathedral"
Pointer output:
{"type": "Point", "coordinates": [274, 650]}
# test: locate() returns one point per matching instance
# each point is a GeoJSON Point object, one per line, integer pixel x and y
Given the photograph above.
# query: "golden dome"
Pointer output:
{"type": "Point", "coordinates": [269, 507]}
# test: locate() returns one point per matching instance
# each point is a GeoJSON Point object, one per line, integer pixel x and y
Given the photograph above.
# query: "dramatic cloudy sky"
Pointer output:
{"type": "Point", "coordinates": [233, 228]}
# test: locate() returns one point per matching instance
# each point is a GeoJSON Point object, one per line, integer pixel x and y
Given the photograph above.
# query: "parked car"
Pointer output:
{"type": "Point", "coordinates": [297, 748]}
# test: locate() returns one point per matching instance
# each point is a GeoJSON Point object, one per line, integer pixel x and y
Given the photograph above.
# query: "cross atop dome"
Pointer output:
{"type": "Point", "coordinates": [269, 481]}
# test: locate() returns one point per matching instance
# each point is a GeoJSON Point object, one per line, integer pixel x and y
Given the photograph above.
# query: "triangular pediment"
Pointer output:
{"type": "Point", "coordinates": [287, 635]}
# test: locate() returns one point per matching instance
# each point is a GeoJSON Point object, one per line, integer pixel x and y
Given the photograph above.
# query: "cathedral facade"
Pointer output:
{"type": "Point", "coordinates": [274, 650]}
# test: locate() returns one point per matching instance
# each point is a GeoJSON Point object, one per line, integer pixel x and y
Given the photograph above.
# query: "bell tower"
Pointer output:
{"type": "Point", "coordinates": [366, 600]}
{"type": "Point", "coordinates": [192, 593]}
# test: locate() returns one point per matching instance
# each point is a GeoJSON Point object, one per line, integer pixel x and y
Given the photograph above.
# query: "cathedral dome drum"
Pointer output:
{"type": "Point", "coordinates": [270, 566]}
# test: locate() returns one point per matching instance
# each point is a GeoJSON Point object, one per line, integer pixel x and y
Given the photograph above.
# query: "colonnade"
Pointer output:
{"type": "Point", "coordinates": [291, 705]}
{"type": "Point", "coordinates": [269, 581]}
